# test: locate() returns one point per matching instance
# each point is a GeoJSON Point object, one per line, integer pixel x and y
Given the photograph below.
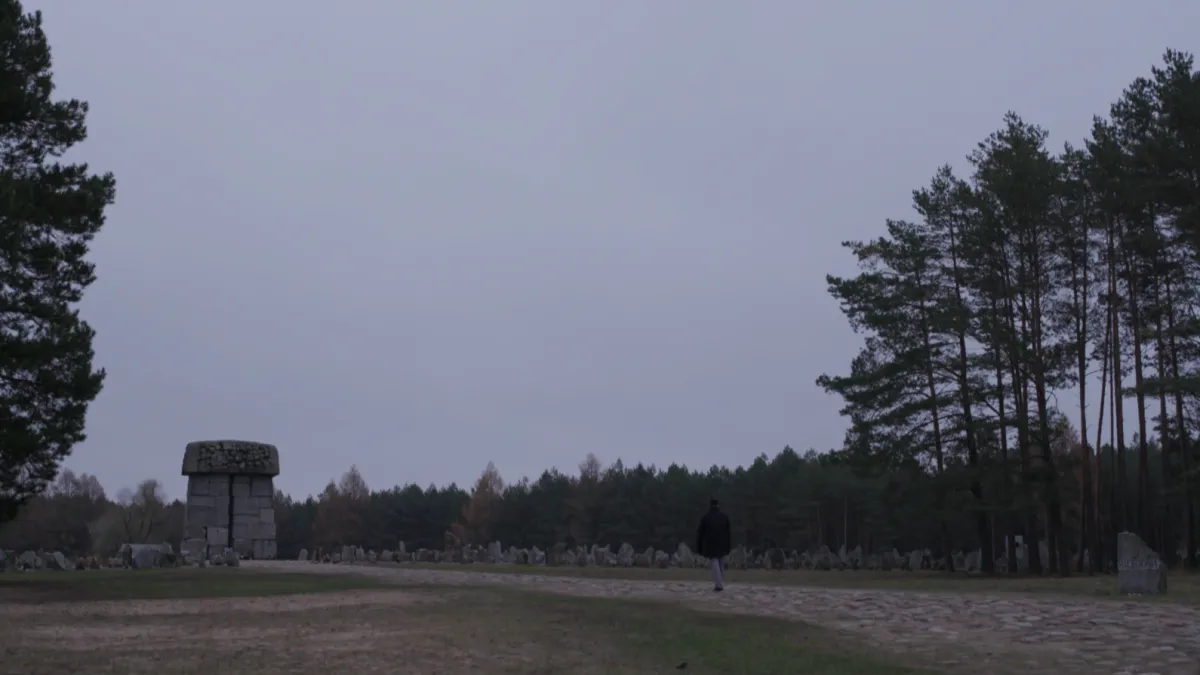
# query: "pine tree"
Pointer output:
{"type": "Point", "coordinates": [1167, 162]}
{"type": "Point", "coordinates": [49, 213]}
{"type": "Point", "coordinates": [946, 207]}
{"type": "Point", "coordinates": [1016, 183]}
{"type": "Point", "coordinates": [1075, 239]}
{"type": "Point", "coordinates": [899, 384]}
{"type": "Point", "coordinates": [1106, 169]}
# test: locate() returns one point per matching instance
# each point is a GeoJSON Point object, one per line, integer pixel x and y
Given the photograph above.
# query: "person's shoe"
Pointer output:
{"type": "Point", "coordinates": [718, 589]}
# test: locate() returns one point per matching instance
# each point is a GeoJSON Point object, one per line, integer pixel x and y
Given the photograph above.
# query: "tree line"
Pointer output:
{"type": "Point", "coordinates": [1010, 325]}
{"type": "Point", "coordinates": [791, 500]}
{"type": "Point", "coordinates": [74, 515]}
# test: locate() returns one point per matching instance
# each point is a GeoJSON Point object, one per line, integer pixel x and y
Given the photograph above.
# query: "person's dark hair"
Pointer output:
{"type": "Point", "coordinates": [714, 502]}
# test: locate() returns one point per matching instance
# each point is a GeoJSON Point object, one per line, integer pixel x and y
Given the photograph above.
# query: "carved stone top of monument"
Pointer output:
{"type": "Point", "coordinates": [234, 457]}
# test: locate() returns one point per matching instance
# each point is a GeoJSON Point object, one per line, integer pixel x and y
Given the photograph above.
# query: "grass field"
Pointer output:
{"type": "Point", "coordinates": [119, 584]}
{"type": "Point", "coordinates": [1182, 587]}
{"type": "Point", "coordinates": [254, 623]}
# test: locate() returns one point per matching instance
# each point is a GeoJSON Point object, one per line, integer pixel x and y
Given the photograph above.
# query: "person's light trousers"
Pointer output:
{"type": "Point", "coordinates": [718, 572]}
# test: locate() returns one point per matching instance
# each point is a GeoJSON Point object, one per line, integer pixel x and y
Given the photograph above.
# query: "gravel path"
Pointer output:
{"type": "Point", "coordinates": [989, 633]}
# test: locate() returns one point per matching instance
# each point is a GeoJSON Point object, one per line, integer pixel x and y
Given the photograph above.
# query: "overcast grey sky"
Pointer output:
{"type": "Point", "coordinates": [419, 236]}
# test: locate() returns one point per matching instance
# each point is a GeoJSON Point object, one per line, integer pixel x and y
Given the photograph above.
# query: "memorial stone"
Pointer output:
{"type": "Point", "coordinates": [1139, 569]}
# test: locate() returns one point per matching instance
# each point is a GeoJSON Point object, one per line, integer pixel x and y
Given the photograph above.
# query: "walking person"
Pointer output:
{"type": "Point", "coordinates": [713, 541]}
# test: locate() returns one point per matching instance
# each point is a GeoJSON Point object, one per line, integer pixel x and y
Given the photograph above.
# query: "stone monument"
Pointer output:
{"type": "Point", "coordinates": [229, 499]}
{"type": "Point", "coordinates": [1139, 569]}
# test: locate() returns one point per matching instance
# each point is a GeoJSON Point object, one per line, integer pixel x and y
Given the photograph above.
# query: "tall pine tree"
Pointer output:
{"type": "Point", "coordinates": [49, 212]}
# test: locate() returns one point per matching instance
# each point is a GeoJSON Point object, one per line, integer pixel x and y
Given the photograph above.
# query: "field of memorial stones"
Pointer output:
{"type": "Point", "coordinates": [628, 562]}
{"type": "Point", "coordinates": [145, 556]}
{"type": "Point", "coordinates": [627, 556]}
{"type": "Point", "coordinates": [1145, 574]}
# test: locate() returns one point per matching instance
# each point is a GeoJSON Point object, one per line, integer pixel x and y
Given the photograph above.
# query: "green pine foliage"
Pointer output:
{"type": "Point", "coordinates": [49, 212]}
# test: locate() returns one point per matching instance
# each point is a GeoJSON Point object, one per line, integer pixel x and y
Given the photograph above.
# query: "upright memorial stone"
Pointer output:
{"type": "Point", "coordinates": [229, 499]}
{"type": "Point", "coordinates": [1139, 569]}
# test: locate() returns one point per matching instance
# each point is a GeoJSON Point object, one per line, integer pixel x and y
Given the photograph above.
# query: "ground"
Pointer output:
{"type": "Point", "coordinates": [286, 619]}
{"type": "Point", "coordinates": [1185, 588]}
{"type": "Point", "coordinates": [292, 617]}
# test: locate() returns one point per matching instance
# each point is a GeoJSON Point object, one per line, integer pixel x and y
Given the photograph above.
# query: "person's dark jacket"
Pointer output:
{"type": "Point", "coordinates": [713, 538]}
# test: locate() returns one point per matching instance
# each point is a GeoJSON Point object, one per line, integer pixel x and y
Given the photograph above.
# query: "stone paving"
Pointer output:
{"type": "Point", "coordinates": [998, 633]}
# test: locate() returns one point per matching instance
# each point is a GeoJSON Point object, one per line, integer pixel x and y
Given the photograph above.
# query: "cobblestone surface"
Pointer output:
{"type": "Point", "coordinates": [985, 633]}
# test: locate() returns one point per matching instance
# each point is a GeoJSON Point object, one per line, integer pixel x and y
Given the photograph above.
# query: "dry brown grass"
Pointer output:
{"type": "Point", "coordinates": [359, 632]}
{"type": "Point", "coordinates": [390, 630]}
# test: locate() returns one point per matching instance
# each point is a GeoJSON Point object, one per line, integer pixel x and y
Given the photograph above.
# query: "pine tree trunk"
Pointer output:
{"type": "Point", "coordinates": [1168, 544]}
{"type": "Point", "coordinates": [982, 523]}
{"type": "Point", "coordinates": [939, 457]}
{"type": "Point", "coordinates": [1117, 462]}
{"type": "Point", "coordinates": [1011, 516]}
{"type": "Point", "coordinates": [1121, 517]}
{"type": "Point", "coordinates": [1049, 470]}
{"type": "Point", "coordinates": [846, 522]}
{"type": "Point", "coordinates": [1020, 381]}
{"type": "Point", "coordinates": [1098, 553]}
{"type": "Point", "coordinates": [1087, 538]}
{"type": "Point", "coordinates": [1181, 430]}
{"type": "Point", "coordinates": [1144, 519]}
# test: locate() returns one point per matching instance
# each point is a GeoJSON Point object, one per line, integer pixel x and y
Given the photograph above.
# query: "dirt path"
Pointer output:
{"type": "Point", "coordinates": [996, 633]}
